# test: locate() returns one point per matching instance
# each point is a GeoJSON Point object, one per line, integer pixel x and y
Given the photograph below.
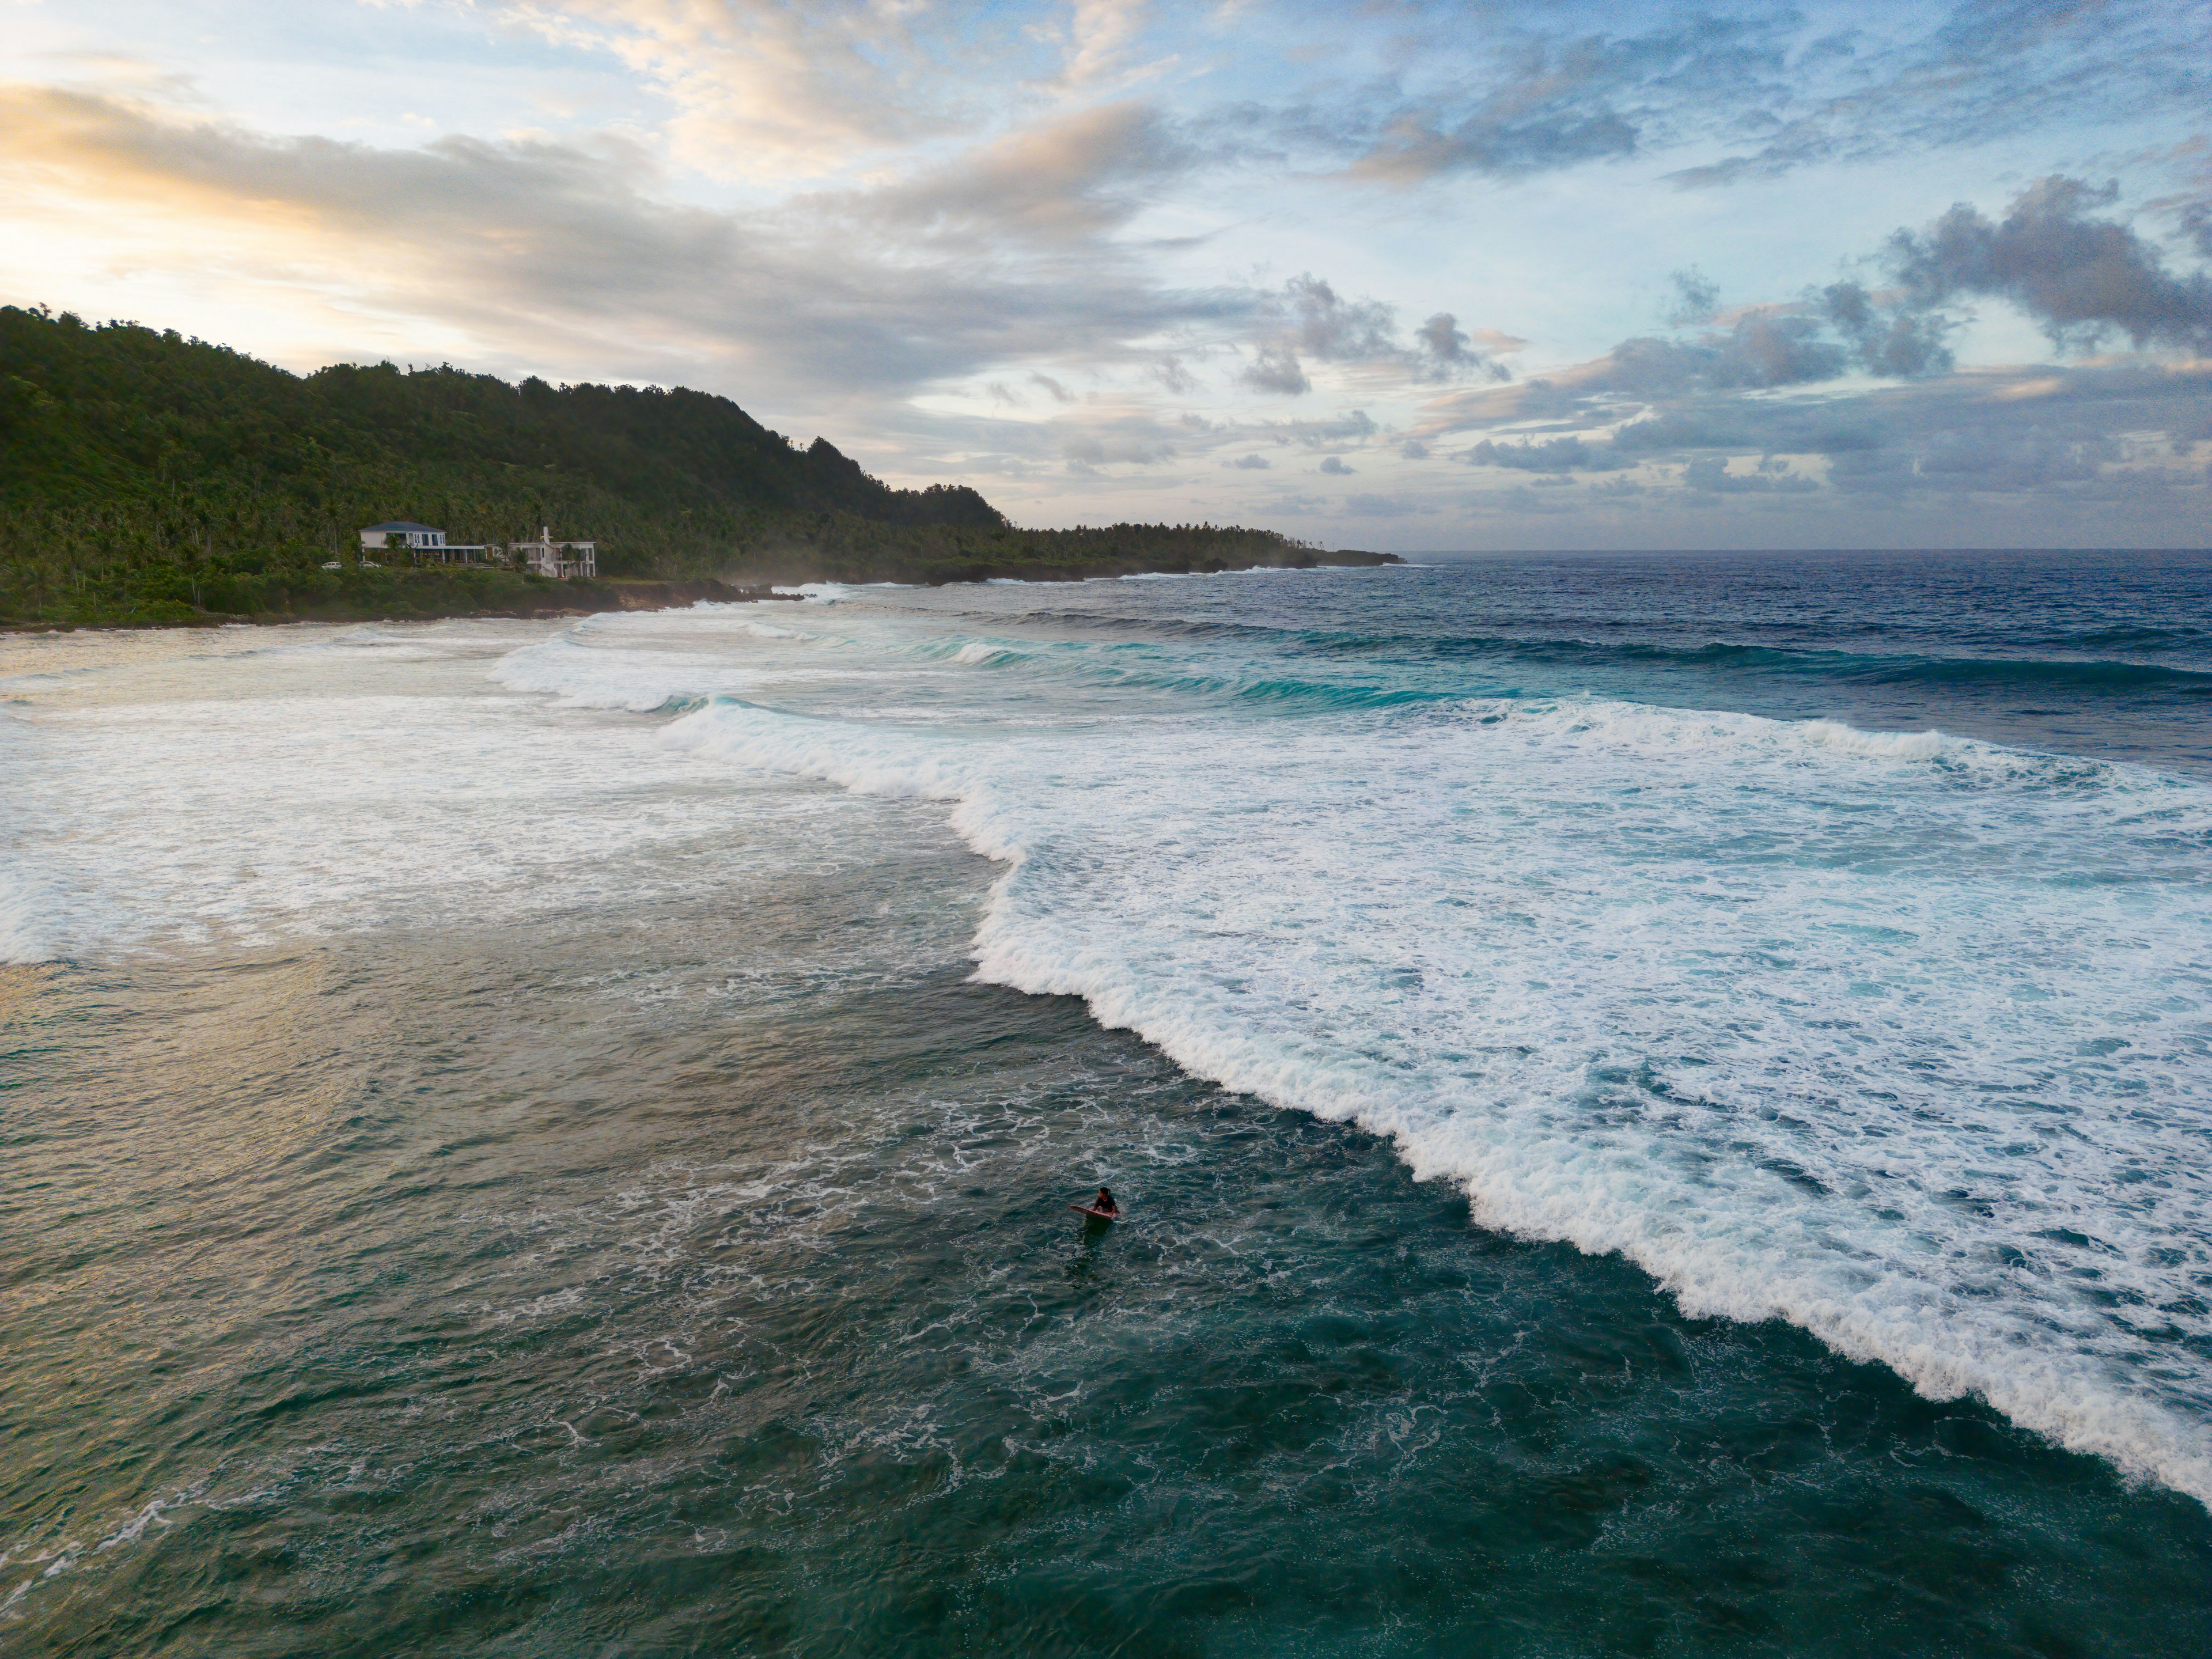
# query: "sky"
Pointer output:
{"type": "Point", "coordinates": [1394, 276]}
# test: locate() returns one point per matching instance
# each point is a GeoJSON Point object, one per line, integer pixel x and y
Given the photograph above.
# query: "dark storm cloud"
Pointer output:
{"type": "Point", "coordinates": [2082, 277]}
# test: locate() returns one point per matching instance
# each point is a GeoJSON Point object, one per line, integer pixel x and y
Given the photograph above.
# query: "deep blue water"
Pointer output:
{"type": "Point", "coordinates": [1663, 1107]}
{"type": "Point", "coordinates": [2097, 654]}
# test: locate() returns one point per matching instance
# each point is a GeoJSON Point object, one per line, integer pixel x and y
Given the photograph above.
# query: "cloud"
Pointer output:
{"type": "Point", "coordinates": [1310, 320]}
{"type": "Point", "coordinates": [1380, 506]}
{"type": "Point", "coordinates": [1895, 339]}
{"type": "Point", "coordinates": [1970, 73]}
{"type": "Point", "coordinates": [1127, 438]}
{"type": "Point", "coordinates": [1249, 464]}
{"type": "Point", "coordinates": [762, 88]}
{"type": "Point", "coordinates": [1102, 32]}
{"type": "Point", "coordinates": [1353, 426]}
{"type": "Point", "coordinates": [767, 89]}
{"type": "Point", "coordinates": [1696, 298]}
{"type": "Point", "coordinates": [1276, 368]}
{"type": "Point", "coordinates": [1445, 352]}
{"type": "Point", "coordinates": [1567, 455]}
{"type": "Point", "coordinates": [545, 251]}
{"type": "Point", "coordinates": [1771, 401]}
{"type": "Point", "coordinates": [1777, 382]}
{"type": "Point", "coordinates": [1067, 179]}
{"type": "Point", "coordinates": [1766, 347]}
{"type": "Point", "coordinates": [1333, 465]}
{"type": "Point", "coordinates": [2081, 278]}
{"type": "Point", "coordinates": [1510, 90]}
{"type": "Point", "coordinates": [1709, 474]}
{"type": "Point", "coordinates": [1323, 326]}
{"type": "Point", "coordinates": [1548, 102]}
{"type": "Point", "coordinates": [1169, 372]}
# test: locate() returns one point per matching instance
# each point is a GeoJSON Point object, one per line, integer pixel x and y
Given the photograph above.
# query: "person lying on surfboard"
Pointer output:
{"type": "Point", "coordinates": [1103, 1207]}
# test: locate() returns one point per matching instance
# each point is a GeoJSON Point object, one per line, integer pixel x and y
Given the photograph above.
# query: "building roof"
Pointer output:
{"type": "Point", "coordinates": [401, 526]}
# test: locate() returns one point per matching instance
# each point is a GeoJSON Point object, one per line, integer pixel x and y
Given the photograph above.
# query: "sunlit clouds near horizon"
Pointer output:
{"type": "Point", "coordinates": [1398, 275]}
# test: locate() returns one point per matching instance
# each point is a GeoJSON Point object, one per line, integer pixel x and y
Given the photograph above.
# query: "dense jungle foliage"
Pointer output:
{"type": "Point", "coordinates": [148, 478]}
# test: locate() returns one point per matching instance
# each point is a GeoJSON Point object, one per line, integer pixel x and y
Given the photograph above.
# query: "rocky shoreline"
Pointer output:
{"type": "Point", "coordinates": [432, 595]}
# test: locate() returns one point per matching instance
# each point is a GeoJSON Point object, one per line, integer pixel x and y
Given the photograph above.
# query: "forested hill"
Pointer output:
{"type": "Point", "coordinates": [139, 468]}
{"type": "Point", "coordinates": [99, 415]}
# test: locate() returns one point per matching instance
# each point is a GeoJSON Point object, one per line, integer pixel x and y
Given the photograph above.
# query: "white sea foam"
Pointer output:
{"type": "Point", "coordinates": [370, 787]}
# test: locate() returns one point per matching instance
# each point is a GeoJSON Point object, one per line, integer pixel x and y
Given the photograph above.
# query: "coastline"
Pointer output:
{"type": "Point", "coordinates": [544, 599]}
{"type": "Point", "coordinates": [428, 595]}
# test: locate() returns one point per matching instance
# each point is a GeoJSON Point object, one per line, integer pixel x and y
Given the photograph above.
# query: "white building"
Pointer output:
{"type": "Point", "coordinates": [566, 560]}
{"type": "Point", "coordinates": [426, 543]}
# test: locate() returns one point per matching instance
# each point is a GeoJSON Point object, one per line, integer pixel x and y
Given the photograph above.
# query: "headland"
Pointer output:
{"type": "Point", "coordinates": [147, 479]}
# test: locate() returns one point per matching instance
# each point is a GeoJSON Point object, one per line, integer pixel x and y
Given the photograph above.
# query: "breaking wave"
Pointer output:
{"type": "Point", "coordinates": [1896, 1036]}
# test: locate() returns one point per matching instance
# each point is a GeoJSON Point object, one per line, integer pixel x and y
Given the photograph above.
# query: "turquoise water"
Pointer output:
{"type": "Point", "coordinates": [1663, 1110]}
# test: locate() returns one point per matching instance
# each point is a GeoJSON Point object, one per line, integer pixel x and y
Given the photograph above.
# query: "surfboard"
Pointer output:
{"type": "Point", "coordinates": [1096, 1215]}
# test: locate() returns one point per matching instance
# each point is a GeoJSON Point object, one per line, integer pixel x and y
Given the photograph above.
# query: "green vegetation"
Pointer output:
{"type": "Point", "coordinates": [148, 478]}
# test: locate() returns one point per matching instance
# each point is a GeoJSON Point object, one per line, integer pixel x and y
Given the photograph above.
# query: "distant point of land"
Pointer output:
{"type": "Point", "coordinates": [146, 479]}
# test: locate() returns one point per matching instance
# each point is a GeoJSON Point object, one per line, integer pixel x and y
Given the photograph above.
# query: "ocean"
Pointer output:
{"type": "Point", "coordinates": [1661, 1104]}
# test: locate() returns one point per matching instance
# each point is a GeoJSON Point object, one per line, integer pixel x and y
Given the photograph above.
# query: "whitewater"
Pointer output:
{"type": "Point", "coordinates": [1896, 1035]}
{"type": "Point", "coordinates": [1895, 1032]}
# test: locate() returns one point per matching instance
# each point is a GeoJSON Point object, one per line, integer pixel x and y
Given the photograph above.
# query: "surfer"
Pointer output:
{"type": "Point", "coordinates": [1101, 1208]}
